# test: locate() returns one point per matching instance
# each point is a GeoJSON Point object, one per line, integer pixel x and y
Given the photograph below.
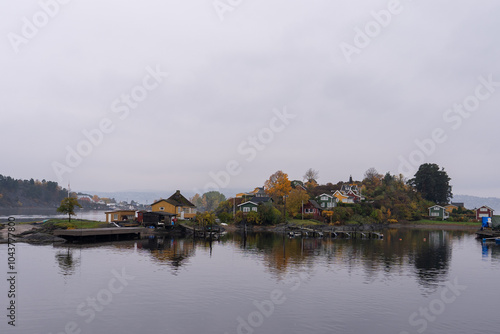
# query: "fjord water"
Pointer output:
{"type": "Point", "coordinates": [412, 281]}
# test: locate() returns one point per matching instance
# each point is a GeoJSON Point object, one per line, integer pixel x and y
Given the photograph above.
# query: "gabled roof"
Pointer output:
{"type": "Point", "coordinates": [257, 200]}
{"type": "Point", "coordinates": [325, 194]}
{"type": "Point", "coordinates": [436, 206]}
{"type": "Point", "coordinates": [485, 206]}
{"type": "Point", "coordinates": [315, 204]}
{"type": "Point", "coordinates": [176, 200]}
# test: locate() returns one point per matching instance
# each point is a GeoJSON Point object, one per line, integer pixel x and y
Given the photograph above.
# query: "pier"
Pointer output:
{"type": "Point", "coordinates": [100, 234]}
{"type": "Point", "coordinates": [334, 233]}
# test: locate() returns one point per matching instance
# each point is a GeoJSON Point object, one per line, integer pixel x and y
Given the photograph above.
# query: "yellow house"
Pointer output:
{"type": "Point", "coordinates": [119, 215]}
{"type": "Point", "coordinates": [341, 197]}
{"type": "Point", "coordinates": [175, 204]}
{"type": "Point", "coordinates": [450, 207]}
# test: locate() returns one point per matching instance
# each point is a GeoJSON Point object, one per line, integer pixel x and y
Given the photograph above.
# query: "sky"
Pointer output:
{"type": "Point", "coordinates": [202, 95]}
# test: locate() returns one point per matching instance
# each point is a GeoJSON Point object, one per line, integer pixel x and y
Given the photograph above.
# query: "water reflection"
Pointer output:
{"type": "Point", "coordinates": [428, 252]}
{"type": "Point", "coordinates": [67, 262]}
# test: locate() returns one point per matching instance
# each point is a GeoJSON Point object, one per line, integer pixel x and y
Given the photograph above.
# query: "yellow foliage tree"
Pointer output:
{"type": "Point", "coordinates": [278, 185]}
{"type": "Point", "coordinates": [295, 199]}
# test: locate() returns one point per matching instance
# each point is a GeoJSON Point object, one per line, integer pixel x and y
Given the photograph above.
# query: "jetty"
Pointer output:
{"type": "Point", "coordinates": [100, 234]}
{"type": "Point", "coordinates": [349, 233]}
{"type": "Point", "coordinates": [210, 232]}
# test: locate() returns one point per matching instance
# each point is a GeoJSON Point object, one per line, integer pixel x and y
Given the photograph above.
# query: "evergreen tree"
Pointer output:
{"type": "Point", "coordinates": [433, 183]}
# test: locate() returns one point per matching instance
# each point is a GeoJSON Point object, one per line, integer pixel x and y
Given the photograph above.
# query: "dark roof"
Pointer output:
{"type": "Point", "coordinates": [160, 213]}
{"type": "Point", "coordinates": [177, 200]}
{"type": "Point", "coordinates": [258, 200]}
{"type": "Point", "coordinates": [459, 204]}
{"type": "Point", "coordinates": [315, 204]}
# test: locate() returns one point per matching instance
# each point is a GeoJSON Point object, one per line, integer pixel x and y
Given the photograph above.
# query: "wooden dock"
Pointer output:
{"type": "Point", "coordinates": [98, 234]}
{"type": "Point", "coordinates": [334, 233]}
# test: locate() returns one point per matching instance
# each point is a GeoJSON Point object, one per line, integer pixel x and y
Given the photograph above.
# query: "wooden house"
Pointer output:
{"type": "Point", "coordinates": [175, 204]}
{"type": "Point", "coordinates": [119, 215]}
{"type": "Point", "coordinates": [438, 211]}
{"type": "Point", "coordinates": [484, 211]}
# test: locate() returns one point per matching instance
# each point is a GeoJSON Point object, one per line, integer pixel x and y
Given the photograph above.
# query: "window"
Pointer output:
{"type": "Point", "coordinates": [309, 211]}
{"type": "Point", "coordinates": [324, 198]}
{"type": "Point", "coordinates": [179, 209]}
{"type": "Point", "coordinates": [246, 209]}
{"type": "Point", "coordinates": [322, 205]}
{"type": "Point", "coordinates": [254, 209]}
{"type": "Point", "coordinates": [435, 213]}
{"type": "Point", "coordinates": [115, 216]}
{"type": "Point", "coordinates": [162, 208]}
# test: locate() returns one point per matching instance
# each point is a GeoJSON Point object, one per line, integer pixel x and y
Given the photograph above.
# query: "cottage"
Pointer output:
{"type": "Point", "coordinates": [176, 205]}
{"type": "Point", "coordinates": [119, 215]}
{"type": "Point", "coordinates": [253, 204]}
{"type": "Point", "coordinates": [484, 211]}
{"type": "Point", "coordinates": [326, 201]}
{"type": "Point", "coordinates": [155, 218]}
{"type": "Point", "coordinates": [312, 208]}
{"type": "Point", "coordinates": [437, 211]}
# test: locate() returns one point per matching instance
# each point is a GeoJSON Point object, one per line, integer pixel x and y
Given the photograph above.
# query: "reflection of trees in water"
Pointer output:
{"type": "Point", "coordinates": [167, 250]}
{"type": "Point", "coordinates": [66, 262]}
{"type": "Point", "coordinates": [428, 251]}
{"type": "Point", "coordinates": [432, 258]}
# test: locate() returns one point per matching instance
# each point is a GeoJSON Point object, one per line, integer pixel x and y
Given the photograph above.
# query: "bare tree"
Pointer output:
{"type": "Point", "coordinates": [311, 175]}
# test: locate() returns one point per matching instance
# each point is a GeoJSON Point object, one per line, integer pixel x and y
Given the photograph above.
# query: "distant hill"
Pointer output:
{"type": "Point", "coordinates": [474, 202]}
{"type": "Point", "coordinates": [30, 193]}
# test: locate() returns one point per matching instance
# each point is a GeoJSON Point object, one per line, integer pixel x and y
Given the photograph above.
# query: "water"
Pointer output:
{"type": "Point", "coordinates": [412, 281]}
{"type": "Point", "coordinates": [38, 214]}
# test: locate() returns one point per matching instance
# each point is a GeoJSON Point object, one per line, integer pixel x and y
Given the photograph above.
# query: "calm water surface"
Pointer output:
{"type": "Point", "coordinates": [413, 281]}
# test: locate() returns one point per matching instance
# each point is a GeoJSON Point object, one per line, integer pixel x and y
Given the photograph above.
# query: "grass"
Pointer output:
{"type": "Point", "coordinates": [305, 222]}
{"type": "Point", "coordinates": [444, 222]}
{"type": "Point", "coordinates": [75, 223]}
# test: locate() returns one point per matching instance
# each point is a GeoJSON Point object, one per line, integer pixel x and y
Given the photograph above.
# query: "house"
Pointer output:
{"type": "Point", "coordinates": [437, 211]}
{"type": "Point", "coordinates": [458, 204]}
{"type": "Point", "coordinates": [253, 204]}
{"type": "Point", "coordinates": [175, 204]}
{"type": "Point", "coordinates": [484, 211]}
{"type": "Point", "coordinates": [257, 192]}
{"type": "Point", "coordinates": [349, 193]}
{"type": "Point", "coordinates": [326, 201]}
{"type": "Point", "coordinates": [119, 215]}
{"type": "Point", "coordinates": [450, 207]}
{"type": "Point", "coordinates": [312, 208]}
{"type": "Point", "coordinates": [155, 218]}
{"type": "Point", "coordinates": [298, 185]}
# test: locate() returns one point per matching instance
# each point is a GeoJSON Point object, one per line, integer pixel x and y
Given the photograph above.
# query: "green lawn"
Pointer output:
{"type": "Point", "coordinates": [445, 222]}
{"type": "Point", "coordinates": [305, 222]}
{"type": "Point", "coordinates": [75, 223]}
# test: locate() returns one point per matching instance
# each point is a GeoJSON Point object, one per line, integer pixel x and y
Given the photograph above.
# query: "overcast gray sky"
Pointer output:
{"type": "Point", "coordinates": [252, 87]}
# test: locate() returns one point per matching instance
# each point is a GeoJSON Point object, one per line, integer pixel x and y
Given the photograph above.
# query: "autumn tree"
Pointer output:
{"type": "Point", "coordinates": [295, 199]}
{"type": "Point", "coordinates": [68, 206]}
{"type": "Point", "coordinates": [278, 185]}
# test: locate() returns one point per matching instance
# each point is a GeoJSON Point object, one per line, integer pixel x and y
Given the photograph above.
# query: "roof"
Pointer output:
{"type": "Point", "coordinates": [325, 194]}
{"type": "Point", "coordinates": [160, 213]}
{"type": "Point", "coordinates": [485, 206]}
{"type": "Point", "coordinates": [176, 200]}
{"type": "Point", "coordinates": [456, 206]}
{"type": "Point", "coordinates": [315, 204]}
{"type": "Point", "coordinates": [118, 211]}
{"type": "Point", "coordinates": [436, 206]}
{"type": "Point", "coordinates": [257, 200]}
{"type": "Point", "coordinates": [459, 204]}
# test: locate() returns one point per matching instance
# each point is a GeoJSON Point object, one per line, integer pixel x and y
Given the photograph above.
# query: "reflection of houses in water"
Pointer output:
{"type": "Point", "coordinates": [490, 250]}
{"type": "Point", "coordinates": [168, 250]}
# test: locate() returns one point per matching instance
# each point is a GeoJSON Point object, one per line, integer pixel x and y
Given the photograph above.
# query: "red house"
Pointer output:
{"type": "Point", "coordinates": [313, 208]}
{"type": "Point", "coordinates": [484, 211]}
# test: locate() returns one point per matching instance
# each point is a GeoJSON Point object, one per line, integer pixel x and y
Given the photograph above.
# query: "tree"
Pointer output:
{"type": "Point", "coordinates": [433, 183]}
{"type": "Point", "coordinates": [278, 185]}
{"type": "Point", "coordinates": [311, 175]}
{"type": "Point", "coordinates": [295, 199]}
{"type": "Point", "coordinates": [68, 206]}
{"type": "Point", "coordinates": [212, 199]}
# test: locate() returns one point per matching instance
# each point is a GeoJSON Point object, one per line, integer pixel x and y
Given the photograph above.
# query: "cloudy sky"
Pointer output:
{"type": "Point", "coordinates": [190, 94]}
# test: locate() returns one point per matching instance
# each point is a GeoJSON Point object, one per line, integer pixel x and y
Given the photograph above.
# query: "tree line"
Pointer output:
{"type": "Point", "coordinates": [29, 193]}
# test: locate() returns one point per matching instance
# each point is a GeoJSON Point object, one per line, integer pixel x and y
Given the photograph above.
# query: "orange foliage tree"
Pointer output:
{"type": "Point", "coordinates": [278, 185]}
